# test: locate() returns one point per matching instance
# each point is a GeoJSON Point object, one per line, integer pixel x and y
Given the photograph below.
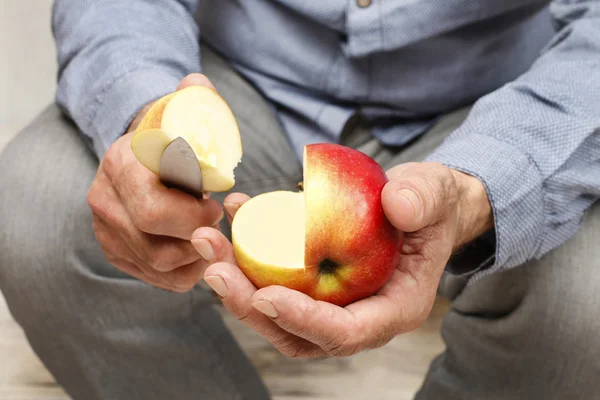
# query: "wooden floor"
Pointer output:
{"type": "Point", "coordinates": [393, 372]}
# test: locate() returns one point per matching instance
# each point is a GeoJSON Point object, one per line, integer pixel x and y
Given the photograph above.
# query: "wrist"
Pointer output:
{"type": "Point", "coordinates": [475, 216]}
{"type": "Point", "coordinates": [138, 118]}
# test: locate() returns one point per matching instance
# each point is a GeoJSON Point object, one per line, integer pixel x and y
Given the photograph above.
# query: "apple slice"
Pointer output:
{"type": "Point", "coordinates": [332, 241]}
{"type": "Point", "coordinates": [201, 117]}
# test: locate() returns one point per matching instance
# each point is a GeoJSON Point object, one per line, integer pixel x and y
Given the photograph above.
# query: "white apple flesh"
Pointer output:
{"type": "Point", "coordinates": [201, 117]}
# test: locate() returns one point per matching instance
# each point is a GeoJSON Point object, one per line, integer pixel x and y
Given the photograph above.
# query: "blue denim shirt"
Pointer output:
{"type": "Point", "coordinates": [531, 66]}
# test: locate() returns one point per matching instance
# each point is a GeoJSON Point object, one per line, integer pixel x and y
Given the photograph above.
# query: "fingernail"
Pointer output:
{"type": "Point", "coordinates": [266, 308]}
{"type": "Point", "coordinates": [413, 199]}
{"type": "Point", "coordinates": [217, 284]}
{"type": "Point", "coordinates": [231, 209]}
{"type": "Point", "coordinates": [204, 248]}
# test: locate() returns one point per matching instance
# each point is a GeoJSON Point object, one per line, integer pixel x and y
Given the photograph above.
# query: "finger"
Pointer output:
{"type": "Point", "coordinates": [236, 291]}
{"type": "Point", "coordinates": [161, 253]}
{"type": "Point", "coordinates": [123, 241]}
{"type": "Point", "coordinates": [366, 324]}
{"type": "Point", "coordinates": [131, 269]}
{"type": "Point", "coordinates": [185, 278]}
{"type": "Point", "coordinates": [164, 253]}
{"type": "Point", "coordinates": [180, 279]}
{"type": "Point", "coordinates": [213, 246]}
{"type": "Point", "coordinates": [158, 210]}
{"type": "Point", "coordinates": [332, 328]}
{"type": "Point", "coordinates": [195, 80]}
{"type": "Point", "coordinates": [402, 305]}
{"type": "Point", "coordinates": [120, 256]}
{"type": "Point", "coordinates": [418, 195]}
{"type": "Point", "coordinates": [154, 208]}
{"type": "Point", "coordinates": [233, 202]}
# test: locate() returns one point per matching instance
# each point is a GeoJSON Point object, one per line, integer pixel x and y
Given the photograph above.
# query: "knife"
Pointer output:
{"type": "Point", "coordinates": [179, 168]}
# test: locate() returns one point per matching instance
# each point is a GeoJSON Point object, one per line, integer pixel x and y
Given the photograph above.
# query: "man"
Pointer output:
{"type": "Point", "coordinates": [497, 199]}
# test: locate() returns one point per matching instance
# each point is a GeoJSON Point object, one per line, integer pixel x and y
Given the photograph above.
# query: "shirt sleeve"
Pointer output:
{"type": "Point", "coordinates": [115, 56]}
{"type": "Point", "coordinates": [535, 143]}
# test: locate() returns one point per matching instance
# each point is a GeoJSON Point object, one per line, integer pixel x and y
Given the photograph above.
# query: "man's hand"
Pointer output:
{"type": "Point", "coordinates": [439, 209]}
{"type": "Point", "coordinates": [145, 228]}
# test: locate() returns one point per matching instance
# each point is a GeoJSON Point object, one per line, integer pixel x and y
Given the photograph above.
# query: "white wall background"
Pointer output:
{"type": "Point", "coordinates": [27, 63]}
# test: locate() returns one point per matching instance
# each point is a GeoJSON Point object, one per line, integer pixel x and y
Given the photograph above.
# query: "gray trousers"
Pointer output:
{"type": "Point", "coordinates": [529, 333]}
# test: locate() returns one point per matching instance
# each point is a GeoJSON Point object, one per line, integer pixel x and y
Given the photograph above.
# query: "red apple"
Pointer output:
{"type": "Point", "coordinates": [331, 240]}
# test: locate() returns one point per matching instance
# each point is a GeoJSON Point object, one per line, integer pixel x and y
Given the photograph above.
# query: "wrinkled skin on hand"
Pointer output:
{"type": "Point", "coordinates": [144, 228]}
{"type": "Point", "coordinates": [439, 210]}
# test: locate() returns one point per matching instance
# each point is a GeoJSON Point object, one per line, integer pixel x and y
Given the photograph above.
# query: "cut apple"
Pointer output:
{"type": "Point", "coordinates": [276, 219]}
{"type": "Point", "coordinates": [330, 241]}
{"type": "Point", "coordinates": [201, 117]}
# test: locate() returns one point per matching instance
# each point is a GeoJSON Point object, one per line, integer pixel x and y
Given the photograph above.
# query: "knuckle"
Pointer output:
{"type": "Point", "coordinates": [244, 317]}
{"type": "Point", "coordinates": [114, 261]}
{"type": "Point", "coordinates": [414, 324]}
{"type": "Point", "coordinates": [109, 161]}
{"type": "Point", "coordinates": [383, 337]}
{"type": "Point", "coordinates": [112, 162]}
{"type": "Point", "coordinates": [446, 180]}
{"type": "Point", "coordinates": [287, 346]}
{"type": "Point", "coordinates": [100, 200]}
{"type": "Point", "coordinates": [177, 283]}
{"type": "Point", "coordinates": [344, 347]}
{"type": "Point", "coordinates": [146, 215]}
{"type": "Point", "coordinates": [102, 237]}
{"type": "Point", "coordinates": [305, 310]}
{"type": "Point", "coordinates": [159, 262]}
{"type": "Point", "coordinates": [421, 318]}
{"type": "Point", "coordinates": [156, 258]}
{"type": "Point", "coordinates": [336, 345]}
{"type": "Point", "coordinates": [108, 254]}
{"type": "Point", "coordinates": [167, 256]}
{"type": "Point", "coordinates": [182, 288]}
{"type": "Point", "coordinates": [115, 159]}
{"type": "Point", "coordinates": [93, 199]}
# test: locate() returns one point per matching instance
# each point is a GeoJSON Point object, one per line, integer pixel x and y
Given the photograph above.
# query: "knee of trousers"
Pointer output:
{"type": "Point", "coordinates": [53, 272]}
{"type": "Point", "coordinates": [48, 253]}
{"type": "Point", "coordinates": [559, 311]}
{"type": "Point", "coordinates": [539, 321]}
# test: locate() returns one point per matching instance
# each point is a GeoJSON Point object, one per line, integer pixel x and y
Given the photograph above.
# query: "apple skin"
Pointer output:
{"type": "Point", "coordinates": [351, 248]}
{"type": "Point", "coordinates": [152, 118]}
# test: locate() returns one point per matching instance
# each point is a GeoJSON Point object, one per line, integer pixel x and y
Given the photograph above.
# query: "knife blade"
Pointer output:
{"type": "Point", "coordinates": [179, 168]}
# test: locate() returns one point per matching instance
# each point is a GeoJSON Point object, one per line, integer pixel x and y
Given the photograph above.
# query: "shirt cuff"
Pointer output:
{"type": "Point", "coordinates": [514, 186]}
{"type": "Point", "coordinates": [117, 106]}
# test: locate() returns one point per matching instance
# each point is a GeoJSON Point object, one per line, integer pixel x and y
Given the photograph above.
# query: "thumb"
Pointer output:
{"type": "Point", "coordinates": [213, 246]}
{"type": "Point", "coordinates": [418, 195]}
{"type": "Point", "coordinates": [232, 203]}
{"type": "Point", "coordinates": [195, 80]}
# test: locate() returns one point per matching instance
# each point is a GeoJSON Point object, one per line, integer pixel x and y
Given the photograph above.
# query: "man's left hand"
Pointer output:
{"type": "Point", "coordinates": [438, 208]}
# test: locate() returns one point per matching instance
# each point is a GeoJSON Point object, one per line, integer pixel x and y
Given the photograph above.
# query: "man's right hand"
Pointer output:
{"type": "Point", "coordinates": [145, 228]}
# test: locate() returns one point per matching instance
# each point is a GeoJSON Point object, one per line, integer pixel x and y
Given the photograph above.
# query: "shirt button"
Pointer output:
{"type": "Point", "coordinates": [364, 3]}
